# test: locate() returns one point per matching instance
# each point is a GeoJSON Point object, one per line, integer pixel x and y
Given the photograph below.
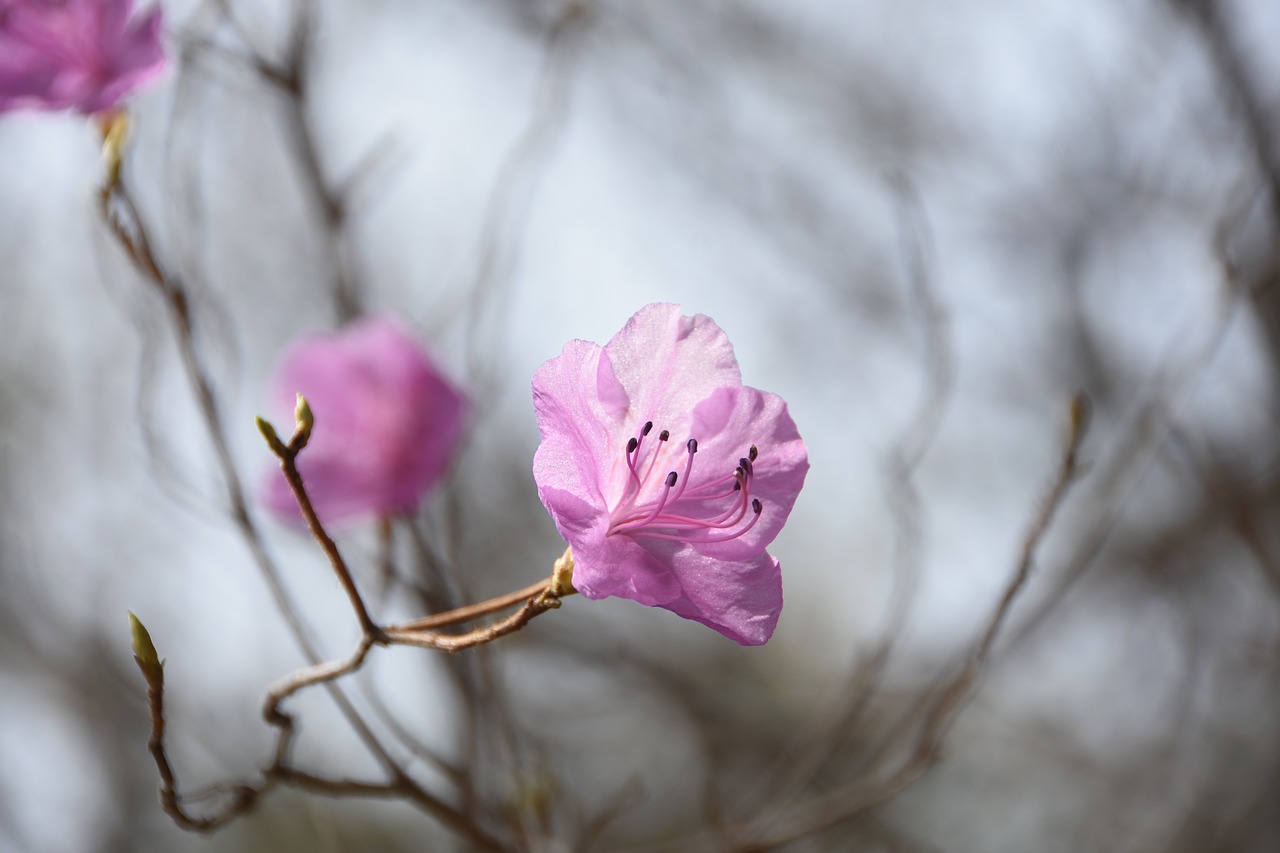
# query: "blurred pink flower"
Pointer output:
{"type": "Point", "coordinates": [78, 54]}
{"type": "Point", "coordinates": [666, 475]}
{"type": "Point", "coordinates": [386, 422]}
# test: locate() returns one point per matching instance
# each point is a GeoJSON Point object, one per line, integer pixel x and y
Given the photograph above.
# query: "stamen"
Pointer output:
{"type": "Point", "coordinates": [684, 508]}
{"type": "Point", "coordinates": [633, 456]}
{"type": "Point", "coordinates": [670, 484]}
{"type": "Point", "coordinates": [756, 507]}
{"type": "Point", "coordinates": [662, 438]}
{"type": "Point", "coordinates": [632, 446]}
{"type": "Point", "coordinates": [692, 446]}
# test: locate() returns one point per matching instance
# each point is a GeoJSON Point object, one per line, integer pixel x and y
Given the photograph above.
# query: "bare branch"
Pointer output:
{"type": "Point", "coordinates": [850, 800]}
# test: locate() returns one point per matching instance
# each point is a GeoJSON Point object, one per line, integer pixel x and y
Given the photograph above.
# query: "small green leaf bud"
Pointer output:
{"type": "Point", "coordinates": [561, 577]}
{"type": "Point", "coordinates": [303, 421]}
{"type": "Point", "coordinates": [144, 651]}
{"type": "Point", "coordinates": [269, 433]}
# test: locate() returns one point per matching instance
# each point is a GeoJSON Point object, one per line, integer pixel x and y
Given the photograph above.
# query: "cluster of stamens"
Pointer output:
{"type": "Point", "coordinates": [715, 509]}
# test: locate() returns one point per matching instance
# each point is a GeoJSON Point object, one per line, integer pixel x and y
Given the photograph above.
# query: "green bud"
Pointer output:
{"type": "Point", "coordinates": [269, 433]}
{"type": "Point", "coordinates": [562, 577]}
{"type": "Point", "coordinates": [144, 651]}
{"type": "Point", "coordinates": [115, 134]}
{"type": "Point", "coordinates": [303, 421]}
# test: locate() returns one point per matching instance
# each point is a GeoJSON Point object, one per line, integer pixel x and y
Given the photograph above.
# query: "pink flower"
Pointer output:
{"type": "Point", "coordinates": [386, 422]}
{"type": "Point", "coordinates": [78, 54]}
{"type": "Point", "coordinates": [667, 476]}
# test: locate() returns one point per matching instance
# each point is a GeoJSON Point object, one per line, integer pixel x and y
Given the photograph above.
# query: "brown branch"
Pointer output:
{"type": "Point", "coordinates": [1259, 274]}
{"type": "Point", "coordinates": [115, 199]}
{"type": "Point", "coordinates": [472, 611]}
{"type": "Point", "coordinates": [288, 456]}
{"type": "Point", "coordinates": [1150, 424]}
{"type": "Point", "coordinates": [1207, 15]}
{"type": "Point", "coordinates": [945, 704]}
{"type": "Point", "coordinates": [539, 598]}
{"type": "Point", "coordinates": [317, 674]}
{"type": "Point", "coordinates": [454, 771]}
{"type": "Point", "coordinates": [133, 237]}
{"type": "Point", "coordinates": [457, 642]}
{"type": "Point", "coordinates": [338, 787]}
{"type": "Point", "coordinates": [292, 80]}
{"type": "Point", "coordinates": [243, 797]}
{"type": "Point", "coordinates": [931, 718]}
{"type": "Point", "coordinates": [511, 197]}
{"type": "Point", "coordinates": [1080, 414]}
{"type": "Point", "coordinates": [812, 749]}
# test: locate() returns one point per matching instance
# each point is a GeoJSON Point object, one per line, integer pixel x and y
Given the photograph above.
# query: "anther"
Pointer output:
{"type": "Point", "coordinates": [685, 507]}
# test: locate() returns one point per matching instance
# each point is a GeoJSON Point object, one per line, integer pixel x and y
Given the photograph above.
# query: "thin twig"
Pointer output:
{"type": "Point", "coordinates": [812, 749]}
{"type": "Point", "coordinates": [132, 236]}
{"type": "Point", "coordinates": [134, 240]}
{"type": "Point", "coordinates": [288, 456]}
{"type": "Point", "coordinates": [541, 597]}
{"type": "Point", "coordinates": [293, 81]}
{"type": "Point", "coordinates": [936, 712]}
{"type": "Point", "coordinates": [303, 678]}
{"type": "Point", "coordinates": [512, 194]}
{"type": "Point", "coordinates": [850, 800]}
{"type": "Point", "coordinates": [242, 797]}
{"type": "Point", "coordinates": [471, 611]}
{"type": "Point", "coordinates": [457, 642]}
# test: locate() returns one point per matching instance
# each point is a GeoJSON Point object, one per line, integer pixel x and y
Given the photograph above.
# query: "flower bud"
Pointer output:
{"type": "Point", "coordinates": [144, 651]}
{"type": "Point", "coordinates": [269, 433]}
{"type": "Point", "coordinates": [303, 421]}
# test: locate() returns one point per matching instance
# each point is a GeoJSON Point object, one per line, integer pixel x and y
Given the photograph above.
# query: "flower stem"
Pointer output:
{"type": "Point", "coordinates": [472, 611]}
{"type": "Point", "coordinates": [547, 592]}
{"type": "Point", "coordinates": [288, 455]}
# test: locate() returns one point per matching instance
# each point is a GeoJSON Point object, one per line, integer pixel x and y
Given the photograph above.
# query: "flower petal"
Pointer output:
{"type": "Point", "coordinates": [83, 54]}
{"type": "Point", "coordinates": [726, 424]}
{"type": "Point", "coordinates": [668, 362]}
{"type": "Point", "coordinates": [578, 403]}
{"type": "Point", "coordinates": [741, 600]}
{"type": "Point", "coordinates": [621, 566]}
{"type": "Point", "coordinates": [387, 422]}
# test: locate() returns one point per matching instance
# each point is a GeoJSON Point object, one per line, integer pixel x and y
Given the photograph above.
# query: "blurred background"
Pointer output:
{"type": "Point", "coordinates": [925, 225]}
